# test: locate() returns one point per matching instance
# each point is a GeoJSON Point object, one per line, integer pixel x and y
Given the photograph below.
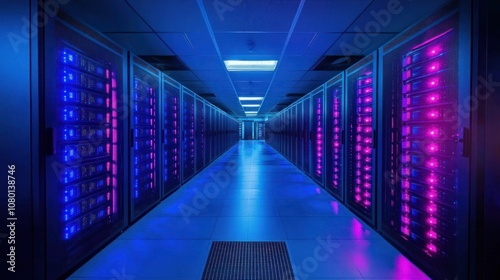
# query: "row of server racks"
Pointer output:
{"type": "Point", "coordinates": [388, 138]}
{"type": "Point", "coordinates": [116, 136]}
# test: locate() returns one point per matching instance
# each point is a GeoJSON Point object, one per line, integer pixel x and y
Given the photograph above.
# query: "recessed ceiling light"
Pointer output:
{"type": "Point", "coordinates": [250, 98]}
{"type": "Point", "coordinates": [250, 65]}
{"type": "Point", "coordinates": [250, 105]}
{"type": "Point", "coordinates": [251, 112]}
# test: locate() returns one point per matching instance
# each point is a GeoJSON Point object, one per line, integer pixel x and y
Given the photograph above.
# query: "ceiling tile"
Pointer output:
{"type": "Point", "coordinates": [202, 43]}
{"type": "Point", "coordinates": [285, 75]}
{"type": "Point", "coordinates": [236, 44]}
{"type": "Point", "coordinates": [171, 15]}
{"type": "Point", "coordinates": [254, 15]}
{"type": "Point", "coordinates": [178, 43]}
{"type": "Point", "coordinates": [107, 16]}
{"type": "Point", "coordinates": [299, 43]}
{"type": "Point", "coordinates": [203, 62]}
{"type": "Point", "coordinates": [321, 43]}
{"type": "Point", "coordinates": [251, 76]}
{"type": "Point", "coordinates": [394, 16]}
{"type": "Point", "coordinates": [212, 75]}
{"type": "Point", "coordinates": [297, 62]}
{"type": "Point", "coordinates": [329, 15]}
{"type": "Point", "coordinates": [141, 43]}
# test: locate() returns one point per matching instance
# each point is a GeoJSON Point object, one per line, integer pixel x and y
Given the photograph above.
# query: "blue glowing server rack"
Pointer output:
{"type": "Point", "coordinates": [85, 155]}
{"type": "Point", "coordinates": [144, 101]}
{"type": "Point", "coordinates": [200, 133]}
{"type": "Point", "coordinates": [188, 134]}
{"type": "Point", "coordinates": [171, 138]}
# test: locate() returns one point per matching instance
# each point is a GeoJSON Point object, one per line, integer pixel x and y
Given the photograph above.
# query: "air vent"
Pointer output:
{"type": "Point", "coordinates": [336, 62]}
{"type": "Point", "coordinates": [165, 62]}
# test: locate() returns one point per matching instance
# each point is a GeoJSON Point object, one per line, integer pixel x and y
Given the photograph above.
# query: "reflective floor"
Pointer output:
{"type": "Point", "coordinates": [251, 193]}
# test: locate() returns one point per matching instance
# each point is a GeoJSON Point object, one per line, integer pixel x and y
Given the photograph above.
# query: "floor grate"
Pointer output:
{"type": "Point", "coordinates": [248, 260]}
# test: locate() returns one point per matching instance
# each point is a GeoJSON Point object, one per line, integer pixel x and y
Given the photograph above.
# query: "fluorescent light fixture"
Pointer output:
{"type": "Point", "coordinates": [251, 112]}
{"type": "Point", "coordinates": [250, 105]}
{"type": "Point", "coordinates": [250, 98]}
{"type": "Point", "coordinates": [250, 65]}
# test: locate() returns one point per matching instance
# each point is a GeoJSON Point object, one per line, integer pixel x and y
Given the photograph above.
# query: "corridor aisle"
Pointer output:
{"type": "Point", "coordinates": [250, 193]}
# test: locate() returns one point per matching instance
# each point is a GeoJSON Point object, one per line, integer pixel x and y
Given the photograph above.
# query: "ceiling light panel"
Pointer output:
{"type": "Point", "coordinates": [250, 65]}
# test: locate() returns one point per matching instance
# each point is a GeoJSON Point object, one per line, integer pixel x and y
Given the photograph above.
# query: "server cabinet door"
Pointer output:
{"type": "Point", "coordinates": [360, 91]}
{"type": "Point", "coordinates": [317, 131]}
{"type": "Point", "coordinates": [171, 136]}
{"type": "Point", "coordinates": [188, 134]}
{"type": "Point", "coordinates": [213, 132]}
{"type": "Point", "coordinates": [422, 149]}
{"type": "Point", "coordinates": [200, 134]}
{"type": "Point", "coordinates": [85, 162]}
{"type": "Point", "coordinates": [334, 140]}
{"type": "Point", "coordinates": [144, 122]}
{"type": "Point", "coordinates": [206, 139]}
{"type": "Point", "coordinates": [293, 134]}
{"type": "Point", "coordinates": [300, 136]}
{"type": "Point", "coordinates": [307, 136]}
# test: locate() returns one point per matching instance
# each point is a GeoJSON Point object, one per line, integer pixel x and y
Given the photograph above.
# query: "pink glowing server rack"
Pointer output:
{"type": "Point", "coordinates": [361, 96]}
{"type": "Point", "coordinates": [423, 180]}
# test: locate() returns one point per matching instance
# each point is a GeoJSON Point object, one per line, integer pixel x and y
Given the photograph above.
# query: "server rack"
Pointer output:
{"type": "Point", "coordinates": [293, 134]}
{"type": "Point", "coordinates": [206, 114]}
{"type": "Point", "coordinates": [200, 134]}
{"type": "Point", "coordinates": [334, 136]}
{"type": "Point", "coordinates": [300, 135]}
{"type": "Point", "coordinates": [317, 135]}
{"type": "Point", "coordinates": [307, 135]}
{"type": "Point", "coordinates": [215, 136]}
{"type": "Point", "coordinates": [171, 166]}
{"type": "Point", "coordinates": [86, 143]}
{"type": "Point", "coordinates": [212, 133]}
{"type": "Point", "coordinates": [188, 134]}
{"type": "Point", "coordinates": [144, 123]}
{"type": "Point", "coordinates": [282, 130]}
{"type": "Point", "coordinates": [361, 81]}
{"type": "Point", "coordinates": [425, 190]}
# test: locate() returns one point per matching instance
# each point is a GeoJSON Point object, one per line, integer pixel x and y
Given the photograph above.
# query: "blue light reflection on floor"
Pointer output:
{"type": "Point", "coordinates": [250, 193]}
